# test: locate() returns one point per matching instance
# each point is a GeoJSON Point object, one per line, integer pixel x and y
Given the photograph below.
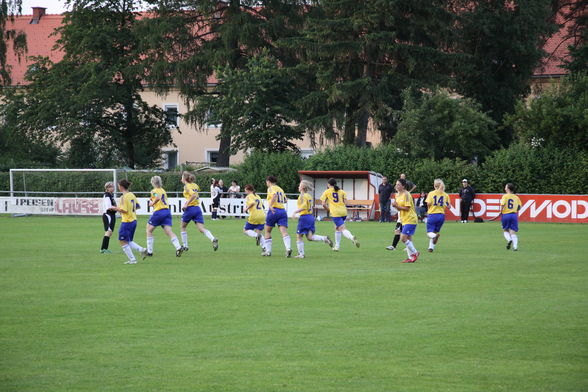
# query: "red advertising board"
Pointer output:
{"type": "Point", "coordinates": [536, 208]}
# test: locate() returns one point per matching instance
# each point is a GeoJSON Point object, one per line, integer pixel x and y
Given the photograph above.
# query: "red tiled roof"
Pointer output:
{"type": "Point", "coordinates": [40, 42]}
{"type": "Point", "coordinates": [556, 49]}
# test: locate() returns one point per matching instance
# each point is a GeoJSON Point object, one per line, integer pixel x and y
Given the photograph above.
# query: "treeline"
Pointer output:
{"type": "Point", "coordinates": [438, 79]}
{"type": "Point", "coordinates": [533, 170]}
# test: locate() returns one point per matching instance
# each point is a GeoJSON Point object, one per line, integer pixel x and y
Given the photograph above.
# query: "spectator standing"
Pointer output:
{"type": "Point", "coordinates": [467, 195]}
{"type": "Point", "coordinates": [410, 186]}
{"type": "Point", "coordinates": [234, 190]}
{"type": "Point", "coordinates": [385, 190]}
{"type": "Point", "coordinates": [224, 194]}
{"type": "Point", "coordinates": [215, 195]}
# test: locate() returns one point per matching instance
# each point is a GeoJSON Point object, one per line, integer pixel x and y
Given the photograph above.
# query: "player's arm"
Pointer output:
{"type": "Point", "coordinates": [272, 201]}
{"type": "Point", "coordinates": [190, 200]}
{"type": "Point", "coordinates": [249, 206]}
{"type": "Point", "coordinates": [120, 208]}
{"type": "Point", "coordinates": [154, 199]}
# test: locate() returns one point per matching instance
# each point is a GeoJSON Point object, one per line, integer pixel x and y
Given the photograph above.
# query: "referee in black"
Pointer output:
{"type": "Point", "coordinates": [108, 215]}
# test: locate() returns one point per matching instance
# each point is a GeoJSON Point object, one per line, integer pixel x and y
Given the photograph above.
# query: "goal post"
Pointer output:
{"type": "Point", "coordinates": [70, 187]}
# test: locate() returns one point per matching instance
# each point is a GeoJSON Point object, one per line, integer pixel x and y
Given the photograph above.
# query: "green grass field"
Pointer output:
{"type": "Point", "coordinates": [469, 317]}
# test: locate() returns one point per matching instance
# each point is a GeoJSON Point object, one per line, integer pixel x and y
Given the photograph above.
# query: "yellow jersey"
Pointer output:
{"type": "Point", "coordinates": [162, 203]}
{"type": "Point", "coordinates": [256, 212]}
{"type": "Point", "coordinates": [304, 203]}
{"type": "Point", "coordinates": [336, 200]}
{"type": "Point", "coordinates": [128, 202]}
{"type": "Point", "coordinates": [436, 202]}
{"type": "Point", "coordinates": [280, 196]}
{"type": "Point", "coordinates": [189, 190]}
{"type": "Point", "coordinates": [407, 217]}
{"type": "Point", "coordinates": [510, 203]}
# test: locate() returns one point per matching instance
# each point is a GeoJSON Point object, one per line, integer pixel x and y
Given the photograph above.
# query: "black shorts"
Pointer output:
{"type": "Point", "coordinates": [215, 202]}
{"type": "Point", "coordinates": [109, 220]}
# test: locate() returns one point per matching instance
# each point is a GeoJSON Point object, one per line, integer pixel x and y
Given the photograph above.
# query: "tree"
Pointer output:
{"type": "Point", "coordinates": [8, 8]}
{"type": "Point", "coordinates": [559, 117]}
{"type": "Point", "coordinates": [185, 41]}
{"type": "Point", "coordinates": [576, 13]}
{"type": "Point", "coordinates": [361, 55]}
{"type": "Point", "coordinates": [90, 100]}
{"type": "Point", "coordinates": [435, 125]}
{"type": "Point", "coordinates": [502, 41]}
{"type": "Point", "coordinates": [256, 102]}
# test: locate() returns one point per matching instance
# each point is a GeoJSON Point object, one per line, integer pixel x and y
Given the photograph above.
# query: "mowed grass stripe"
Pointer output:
{"type": "Point", "coordinates": [469, 317]}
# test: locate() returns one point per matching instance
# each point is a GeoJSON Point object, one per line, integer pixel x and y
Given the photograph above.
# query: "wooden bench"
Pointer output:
{"type": "Point", "coordinates": [354, 207]}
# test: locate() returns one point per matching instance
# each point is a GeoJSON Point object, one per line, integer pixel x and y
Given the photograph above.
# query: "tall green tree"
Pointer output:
{"type": "Point", "coordinates": [8, 10]}
{"type": "Point", "coordinates": [185, 41]}
{"type": "Point", "coordinates": [503, 43]}
{"type": "Point", "coordinates": [576, 15]}
{"type": "Point", "coordinates": [90, 100]}
{"type": "Point", "coordinates": [435, 125]}
{"type": "Point", "coordinates": [362, 54]}
{"type": "Point", "coordinates": [257, 100]}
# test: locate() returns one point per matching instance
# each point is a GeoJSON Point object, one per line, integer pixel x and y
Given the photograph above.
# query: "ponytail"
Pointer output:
{"type": "Point", "coordinates": [333, 183]}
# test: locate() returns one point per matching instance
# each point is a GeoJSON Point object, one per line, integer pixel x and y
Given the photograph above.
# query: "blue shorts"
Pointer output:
{"type": "Point", "coordinates": [126, 231]}
{"type": "Point", "coordinates": [161, 218]}
{"type": "Point", "coordinates": [278, 217]}
{"type": "Point", "coordinates": [339, 221]}
{"type": "Point", "coordinates": [510, 221]}
{"type": "Point", "coordinates": [305, 224]}
{"type": "Point", "coordinates": [252, 226]}
{"type": "Point", "coordinates": [408, 229]}
{"type": "Point", "coordinates": [434, 222]}
{"type": "Point", "coordinates": [193, 213]}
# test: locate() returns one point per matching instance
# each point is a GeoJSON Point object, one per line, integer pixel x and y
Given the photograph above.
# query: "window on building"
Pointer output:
{"type": "Point", "coordinates": [170, 159]}
{"type": "Point", "coordinates": [306, 152]}
{"type": "Point", "coordinates": [212, 156]}
{"type": "Point", "coordinates": [210, 124]}
{"type": "Point", "coordinates": [172, 116]}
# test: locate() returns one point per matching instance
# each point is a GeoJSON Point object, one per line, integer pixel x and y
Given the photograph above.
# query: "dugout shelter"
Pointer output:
{"type": "Point", "coordinates": [361, 188]}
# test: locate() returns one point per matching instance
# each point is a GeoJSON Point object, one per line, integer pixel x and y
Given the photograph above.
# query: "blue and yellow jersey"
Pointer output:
{"type": "Point", "coordinates": [280, 196]}
{"type": "Point", "coordinates": [189, 190]}
{"type": "Point", "coordinates": [304, 203]}
{"type": "Point", "coordinates": [407, 217]}
{"type": "Point", "coordinates": [510, 203]}
{"type": "Point", "coordinates": [162, 203]}
{"type": "Point", "coordinates": [256, 212]}
{"type": "Point", "coordinates": [128, 202]}
{"type": "Point", "coordinates": [437, 201]}
{"type": "Point", "coordinates": [336, 200]}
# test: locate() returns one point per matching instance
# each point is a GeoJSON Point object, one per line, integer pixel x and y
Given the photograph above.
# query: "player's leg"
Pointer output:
{"type": "Point", "coordinates": [300, 244]}
{"type": "Point", "coordinates": [268, 241]}
{"type": "Point", "coordinates": [208, 235]}
{"type": "Point", "coordinates": [286, 239]}
{"type": "Point", "coordinates": [174, 240]}
{"type": "Point", "coordinates": [347, 234]}
{"type": "Point", "coordinates": [149, 229]}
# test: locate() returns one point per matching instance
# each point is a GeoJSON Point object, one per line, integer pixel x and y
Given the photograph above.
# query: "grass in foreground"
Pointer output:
{"type": "Point", "coordinates": [469, 317]}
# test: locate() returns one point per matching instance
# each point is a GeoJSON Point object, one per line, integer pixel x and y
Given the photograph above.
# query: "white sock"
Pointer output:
{"type": "Point", "coordinates": [319, 238]}
{"type": "Point", "coordinates": [507, 236]}
{"type": "Point", "coordinates": [176, 243]}
{"type": "Point", "coordinates": [127, 249]}
{"type": "Point", "coordinates": [262, 241]}
{"type": "Point", "coordinates": [287, 242]}
{"type": "Point", "coordinates": [209, 235]}
{"type": "Point", "coordinates": [515, 241]}
{"type": "Point", "coordinates": [251, 233]}
{"type": "Point", "coordinates": [149, 244]}
{"type": "Point", "coordinates": [268, 245]}
{"type": "Point", "coordinates": [184, 238]}
{"type": "Point", "coordinates": [410, 247]}
{"type": "Point", "coordinates": [337, 238]}
{"type": "Point", "coordinates": [348, 234]}
{"type": "Point", "coordinates": [136, 246]}
{"type": "Point", "coordinates": [300, 247]}
{"type": "Point", "coordinates": [431, 244]}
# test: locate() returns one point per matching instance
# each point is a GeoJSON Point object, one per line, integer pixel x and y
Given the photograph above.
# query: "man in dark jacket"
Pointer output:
{"type": "Point", "coordinates": [467, 195]}
{"type": "Point", "coordinates": [385, 190]}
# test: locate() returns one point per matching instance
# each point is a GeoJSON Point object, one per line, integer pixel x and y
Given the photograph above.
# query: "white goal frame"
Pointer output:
{"type": "Point", "coordinates": [12, 171]}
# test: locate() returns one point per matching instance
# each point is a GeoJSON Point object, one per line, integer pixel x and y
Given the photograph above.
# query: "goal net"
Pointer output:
{"type": "Point", "coordinates": [56, 182]}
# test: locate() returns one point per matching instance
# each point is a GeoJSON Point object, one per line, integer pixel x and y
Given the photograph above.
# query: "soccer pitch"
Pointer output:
{"type": "Point", "coordinates": [470, 317]}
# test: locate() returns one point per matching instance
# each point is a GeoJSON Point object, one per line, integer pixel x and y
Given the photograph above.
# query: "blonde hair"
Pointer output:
{"type": "Point", "coordinates": [108, 185]}
{"type": "Point", "coordinates": [189, 177]}
{"type": "Point", "coordinates": [439, 184]}
{"type": "Point", "coordinates": [306, 185]}
{"type": "Point", "coordinates": [156, 182]}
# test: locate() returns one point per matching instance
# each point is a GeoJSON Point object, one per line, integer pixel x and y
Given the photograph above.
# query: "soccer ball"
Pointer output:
{"type": "Point", "coordinates": [318, 218]}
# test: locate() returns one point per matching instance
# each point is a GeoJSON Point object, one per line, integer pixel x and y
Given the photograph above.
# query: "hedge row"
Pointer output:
{"type": "Point", "coordinates": [532, 170]}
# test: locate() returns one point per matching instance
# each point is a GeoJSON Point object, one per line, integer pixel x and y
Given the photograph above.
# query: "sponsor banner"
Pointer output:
{"type": "Point", "coordinates": [535, 208]}
{"type": "Point", "coordinates": [93, 206]}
